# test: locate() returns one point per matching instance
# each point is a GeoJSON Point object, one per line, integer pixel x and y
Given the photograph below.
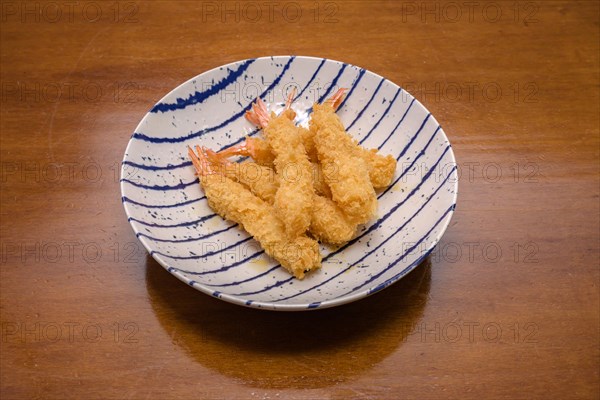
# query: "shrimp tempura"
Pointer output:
{"type": "Point", "coordinates": [255, 148]}
{"type": "Point", "coordinates": [350, 185]}
{"type": "Point", "coordinates": [328, 222]}
{"type": "Point", "coordinates": [293, 201]}
{"type": "Point", "coordinates": [234, 202]}
{"type": "Point", "coordinates": [260, 179]}
{"type": "Point", "coordinates": [381, 168]}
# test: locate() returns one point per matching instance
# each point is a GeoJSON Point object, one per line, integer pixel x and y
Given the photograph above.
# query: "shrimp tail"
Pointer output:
{"type": "Point", "coordinates": [337, 98]}
{"type": "Point", "coordinates": [200, 161]}
{"type": "Point", "coordinates": [259, 115]}
{"type": "Point", "coordinates": [253, 147]}
{"type": "Point", "coordinates": [290, 99]}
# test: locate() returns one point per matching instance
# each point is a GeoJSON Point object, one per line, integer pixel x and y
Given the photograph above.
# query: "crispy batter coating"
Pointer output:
{"type": "Point", "coordinates": [265, 158]}
{"type": "Point", "coordinates": [350, 185]}
{"type": "Point", "coordinates": [261, 152]}
{"type": "Point", "coordinates": [381, 168]}
{"type": "Point", "coordinates": [260, 179]}
{"type": "Point", "coordinates": [293, 201]}
{"type": "Point", "coordinates": [329, 223]}
{"type": "Point", "coordinates": [234, 202]}
{"type": "Point", "coordinates": [309, 143]}
{"type": "Point", "coordinates": [319, 183]}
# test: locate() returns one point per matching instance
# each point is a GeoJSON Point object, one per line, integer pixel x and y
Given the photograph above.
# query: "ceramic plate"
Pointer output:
{"type": "Point", "coordinates": [169, 213]}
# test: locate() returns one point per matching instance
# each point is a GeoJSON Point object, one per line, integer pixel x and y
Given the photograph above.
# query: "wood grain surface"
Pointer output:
{"type": "Point", "coordinates": [507, 307]}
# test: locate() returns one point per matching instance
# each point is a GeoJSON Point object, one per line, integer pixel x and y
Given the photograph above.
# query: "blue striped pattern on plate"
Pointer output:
{"type": "Point", "coordinates": [170, 215]}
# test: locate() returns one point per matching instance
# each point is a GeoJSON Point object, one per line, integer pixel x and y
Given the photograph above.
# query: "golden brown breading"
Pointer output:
{"type": "Point", "coordinates": [293, 200]}
{"type": "Point", "coordinates": [350, 184]}
{"type": "Point", "coordinates": [309, 143]}
{"type": "Point", "coordinates": [319, 183]}
{"type": "Point", "coordinates": [266, 157]}
{"type": "Point", "coordinates": [329, 223]}
{"type": "Point", "coordinates": [381, 168]}
{"type": "Point", "coordinates": [260, 179]}
{"type": "Point", "coordinates": [234, 202]}
{"type": "Point", "coordinates": [261, 152]}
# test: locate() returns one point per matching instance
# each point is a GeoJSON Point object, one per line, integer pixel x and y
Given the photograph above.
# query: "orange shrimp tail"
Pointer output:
{"type": "Point", "coordinates": [237, 150]}
{"type": "Point", "coordinates": [200, 161]}
{"type": "Point", "coordinates": [259, 115]}
{"type": "Point", "coordinates": [252, 117]}
{"type": "Point", "coordinates": [290, 99]}
{"type": "Point", "coordinates": [245, 149]}
{"type": "Point", "coordinates": [337, 98]}
{"type": "Point", "coordinates": [216, 158]}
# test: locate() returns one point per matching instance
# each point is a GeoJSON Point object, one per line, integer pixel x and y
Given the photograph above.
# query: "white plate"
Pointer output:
{"type": "Point", "coordinates": [166, 208]}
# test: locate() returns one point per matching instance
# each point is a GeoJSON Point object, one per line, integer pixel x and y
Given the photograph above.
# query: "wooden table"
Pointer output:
{"type": "Point", "coordinates": [506, 307]}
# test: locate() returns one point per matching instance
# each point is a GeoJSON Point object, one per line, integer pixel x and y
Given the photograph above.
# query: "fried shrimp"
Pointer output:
{"type": "Point", "coordinates": [319, 184]}
{"type": "Point", "coordinates": [233, 201]}
{"type": "Point", "coordinates": [317, 180]}
{"type": "Point", "coordinates": [381, 168]}
{"type": "Point", "coordinates": [293, 200]}
{"type": "Point", "coordinates": [309, 143]}
{"type": "Point", "coordinates": [328, 222]}
{"type": "Point", "coordinates": [260, 179]}
{"type": "Point", "coordinates": [350, 186]}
